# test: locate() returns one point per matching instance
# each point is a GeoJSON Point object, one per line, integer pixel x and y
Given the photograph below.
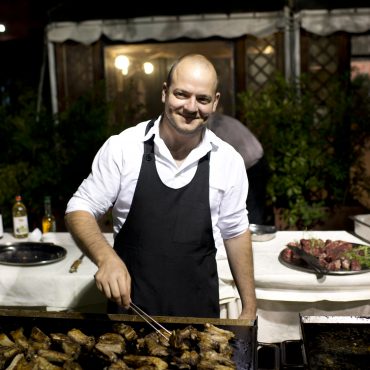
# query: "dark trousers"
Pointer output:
{"type": "Point", "coordinates": [258, 176]}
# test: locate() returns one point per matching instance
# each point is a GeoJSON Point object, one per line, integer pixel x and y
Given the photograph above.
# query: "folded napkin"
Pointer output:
{"type": "Point", "coordinates": [35, 235]}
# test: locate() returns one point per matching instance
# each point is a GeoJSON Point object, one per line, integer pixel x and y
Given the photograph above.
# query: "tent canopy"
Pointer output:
{"type": "Point", "coordinates": [164, 28]}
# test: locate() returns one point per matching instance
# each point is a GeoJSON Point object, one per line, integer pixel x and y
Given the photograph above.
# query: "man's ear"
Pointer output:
{"type": "Point", "coordinates": [164, 91]}
{"type": "Point", "coordinates": [217, 99]}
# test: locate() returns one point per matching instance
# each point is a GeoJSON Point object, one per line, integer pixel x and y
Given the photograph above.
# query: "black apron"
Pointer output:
{"type": "Point", "coordinates": [167, 244]}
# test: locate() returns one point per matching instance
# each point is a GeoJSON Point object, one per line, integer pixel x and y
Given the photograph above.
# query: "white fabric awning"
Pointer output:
{"type": "Point", "coordinates": [165, 28]}
{"type": "Point", "coordinates": [325, 22]}
{"type": "Point", "coordinates": [168, 28]}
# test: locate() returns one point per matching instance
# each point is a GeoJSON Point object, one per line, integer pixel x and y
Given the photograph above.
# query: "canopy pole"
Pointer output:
{"type": "Point", "coordinates": [52, 76]}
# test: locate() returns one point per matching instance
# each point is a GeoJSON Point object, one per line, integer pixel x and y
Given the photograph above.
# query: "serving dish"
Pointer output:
{"type": "Point", "coordinates": [301, 265]}
{"type": "Point", "coordinates": [262, 233]}
{"type": "Point", "coordinates": [30, 253]}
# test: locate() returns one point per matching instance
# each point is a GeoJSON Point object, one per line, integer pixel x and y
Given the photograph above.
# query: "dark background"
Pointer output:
{"type": "Point", "coordinates": [22, 47]}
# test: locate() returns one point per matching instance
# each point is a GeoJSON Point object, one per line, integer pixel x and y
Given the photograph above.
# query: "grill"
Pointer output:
{"type": "Point", "coordinates": [336, 342]}
{"type": "Point", "coordinates": [244, 343]}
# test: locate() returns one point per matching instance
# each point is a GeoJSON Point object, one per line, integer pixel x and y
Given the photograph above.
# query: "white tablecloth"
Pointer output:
{"type": "Point", "coordinates": [282, 292]}
{"type": "Point", "coordinates": [275, 281]}
{"type": "Point", "coordinates": [51, 286]}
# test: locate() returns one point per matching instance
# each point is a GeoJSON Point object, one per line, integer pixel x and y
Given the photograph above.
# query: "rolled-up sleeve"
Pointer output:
{"type": "Point", "coordinates": [98, 191]}
{"type": "Point", "coordinates": [229, 183]}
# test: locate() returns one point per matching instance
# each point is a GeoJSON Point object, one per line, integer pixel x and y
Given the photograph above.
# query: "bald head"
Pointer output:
{"type": "Point", "coordinates": [198, 63]}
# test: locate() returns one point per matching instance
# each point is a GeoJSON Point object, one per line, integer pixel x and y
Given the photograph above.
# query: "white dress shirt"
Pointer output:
{"type": "Point", "coordinates": [116, 167]}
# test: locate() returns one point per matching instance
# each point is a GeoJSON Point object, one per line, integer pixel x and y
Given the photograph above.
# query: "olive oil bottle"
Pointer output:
{"type": "Point", "coordinates": [20, 219]}
{"type": "Point", "coordinates": [48, 220]}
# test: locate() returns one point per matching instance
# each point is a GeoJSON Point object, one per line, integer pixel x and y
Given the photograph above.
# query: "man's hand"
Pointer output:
{"type": "Point", "coordinates": [112, 277]}
{"type": "Point", "coordinates": [114, 281]}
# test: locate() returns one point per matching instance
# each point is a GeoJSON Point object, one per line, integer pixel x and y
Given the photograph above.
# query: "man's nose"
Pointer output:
{"type": "Point", "coordinates": [191, 104]}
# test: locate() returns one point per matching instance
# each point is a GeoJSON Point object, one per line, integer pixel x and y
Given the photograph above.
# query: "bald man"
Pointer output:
{"type": "Point", "coordinates": [177, 191]}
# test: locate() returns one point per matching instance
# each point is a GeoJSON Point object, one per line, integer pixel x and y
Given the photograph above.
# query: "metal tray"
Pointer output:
{"type": "Point", "coordinates": [362, 226]}
{"type": "Point", "coordinates": [336, 342]}
{"type": "Point", "coordinates": [301, 265]}
{"type": "Point", "coordinates": [30, 253]}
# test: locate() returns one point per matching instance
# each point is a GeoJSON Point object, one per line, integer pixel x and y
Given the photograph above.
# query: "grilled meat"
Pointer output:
{"type": "Point", "coordinates": [7, 353]}
{"type": "Point", "coordinates": [125, 330]}
{"type": "Point", "coordinates": [81, 338]}
{"type": "Point", "coordinates": [187, 360]}
{"type": "Point", "coordinates": [68, 345]}
{"type": "Point", "coordinates": [141, 361]}
{"type": "Point", "coordinates": [5, 341]}
{"type": "Point", "coordinates": [155, 348]}
{"type": "Point", "coordinates": [44, 364]}
{"type": "Point", "coordinates": [16, 361]}
{"type": "Point", "coordinates": [110, 345]}
{"type": "Point", "coordinates": [187, 348]}
{"type": "Point", "coordinates": [333, 255]}
{"type": "Point", "coordinates": [20, 339]}
{"type": "Point", "coordinates": [119, 365]}
{"type": "Point", "coordinates": [38, 335]}
{"type": "Point", "coordinates": [54, 356]}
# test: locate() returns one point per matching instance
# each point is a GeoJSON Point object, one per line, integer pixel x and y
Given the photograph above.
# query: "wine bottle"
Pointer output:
{"type": "Point", "coordinates": [20, 220]}
{"type": "Point", "coordinates": [48, 220]}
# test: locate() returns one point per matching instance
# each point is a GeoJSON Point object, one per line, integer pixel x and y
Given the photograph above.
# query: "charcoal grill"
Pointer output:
{"type": "Point", "coordinates": [96, 324]}
{"type": "Point", "coordinates": [336, 342]}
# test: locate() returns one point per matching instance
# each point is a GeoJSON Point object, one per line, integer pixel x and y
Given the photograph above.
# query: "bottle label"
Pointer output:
{"type": "Point", "coordinates": [1, 226]}
{"type": "Point", "coordinates": [20, 225]}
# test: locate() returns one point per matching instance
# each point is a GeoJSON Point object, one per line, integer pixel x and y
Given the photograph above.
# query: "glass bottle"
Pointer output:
{"type": "Point", "coordinates": [48, 220]}
{"type": "Point", "coordinates": [20, 220]}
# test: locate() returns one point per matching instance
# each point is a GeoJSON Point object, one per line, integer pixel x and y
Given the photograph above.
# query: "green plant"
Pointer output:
{"type": "Point", "coordinates": [28, 163]}
{"type": "Point", "coordinates": [42, 154]}
{"type": "Point", "coordinates": [309, 146]}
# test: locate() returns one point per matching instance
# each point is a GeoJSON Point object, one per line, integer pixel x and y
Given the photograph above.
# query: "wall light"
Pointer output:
{"type": "Point", "coordinates": [148, 68]}
{"type": "Point", "coordinates": [122, 62]}
{"type": "Point", "coordinates": [2, 27]}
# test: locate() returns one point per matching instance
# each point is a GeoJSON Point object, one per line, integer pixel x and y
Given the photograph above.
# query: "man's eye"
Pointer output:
{"type": "Point", "coordinates": [204, 100]}
{"type": "Point", "coordinates": [180, 94]}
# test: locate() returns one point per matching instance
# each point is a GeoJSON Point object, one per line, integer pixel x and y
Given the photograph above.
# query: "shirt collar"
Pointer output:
{"type": "Point", "coordinates": [209, 142]}
{"type": "Point", "coordinates": [154, 130]}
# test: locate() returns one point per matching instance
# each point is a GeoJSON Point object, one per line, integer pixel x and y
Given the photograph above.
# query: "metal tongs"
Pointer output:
{"type": "Point", "coordinates": [320, 271]}
{"type": "Point", "coordinates": [151, 321]}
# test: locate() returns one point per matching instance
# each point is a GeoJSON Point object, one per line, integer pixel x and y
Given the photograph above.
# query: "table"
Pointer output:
{"type": "Point", "coordinates": [282, 292]}
{"type": "Point", "coordinates": [52, 286]}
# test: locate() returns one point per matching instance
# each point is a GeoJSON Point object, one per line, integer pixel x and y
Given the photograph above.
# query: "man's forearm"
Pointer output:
{"type": "Point", "coordinates": [87, 234]}
{"type": "Point", "coordinates": [240, 255]}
